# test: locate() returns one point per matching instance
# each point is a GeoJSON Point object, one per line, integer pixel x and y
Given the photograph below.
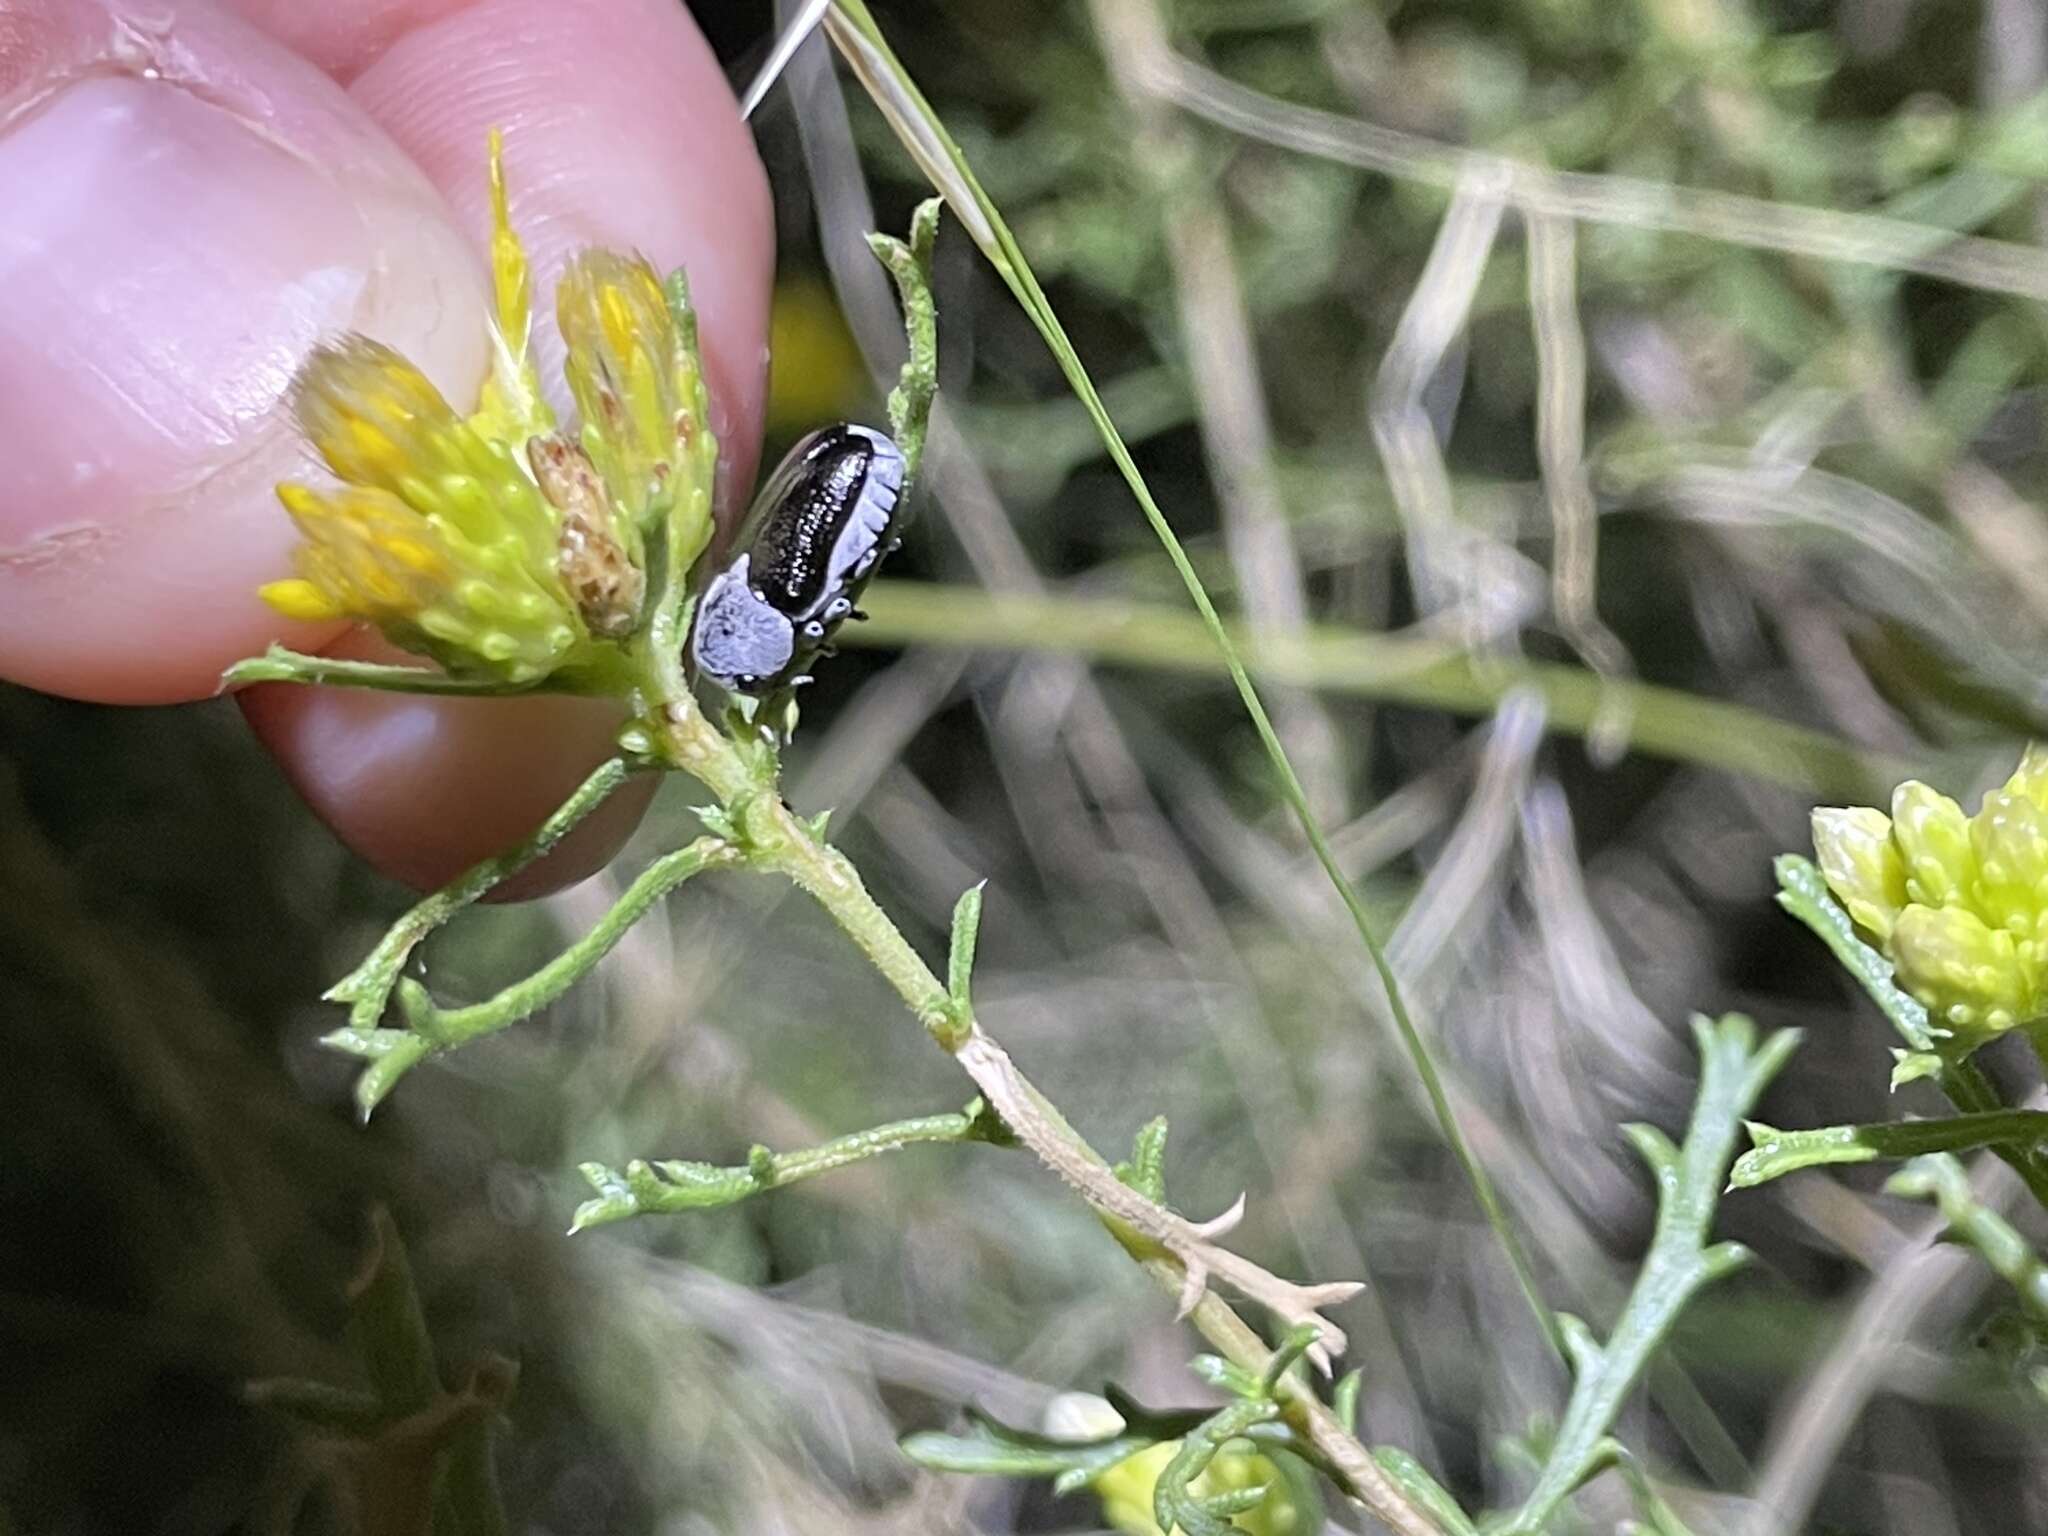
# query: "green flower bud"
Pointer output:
{"type": "Point", "coordinates": [1934, 840]}
{"type": "Point", "coordinates": [2009, 839]}
{"type": "Point", "coordinates": [1958, 904]}
{"type": "Point", "coordinates": [1971, 977]}
{"type": "Point", "coordinates": [2031, 777]}
{"type": "Point", "coordinates": [1862, 864]}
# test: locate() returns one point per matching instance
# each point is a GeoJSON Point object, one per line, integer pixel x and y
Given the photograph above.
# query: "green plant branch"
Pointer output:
{"type": "Point", "coordinates": [448, 1027]}
{"type": "Point", "coordinates": [1400, 669]}
{"type": "Point", "coordinates": [1175, 1504]}
{"type": "Point", "coordinates": [1774, 1153]}
{"type": "Point", "coordinates": [430, 1029]}
{"type": "Point", "coordinates": [909, 263]}
{"type": "Point", "coordinates": [279, 665]}
{"type": "Point", "coordinates": [1733, 1072]}
{"type": "Point", "coordinates": [855, 33]}
{"type": "Point", "coordinates": [644, 1188]}
{"type": "Point", "coordinates": [367, 988]}
{"type": "Point", "coordinates": [1940, 1178]}
{"type": "Point", "coordinates": [1803, 892]}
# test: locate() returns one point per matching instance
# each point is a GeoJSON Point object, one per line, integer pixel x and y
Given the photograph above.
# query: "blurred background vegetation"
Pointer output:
{"type": "Point", "coordinates": [1639, 473]}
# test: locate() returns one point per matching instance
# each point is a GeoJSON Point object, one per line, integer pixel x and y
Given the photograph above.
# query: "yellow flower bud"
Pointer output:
{"type": "Point", "coordinates": [2031, 777]}
{"type": "Point", "coordinates": [1862, 865]}
{"type": "Point", "coordinates": [629, 373]}
{"type": "Point", "coordinates": [2009, 842]}
{"type": "Point", "coordinates": [438, 537]}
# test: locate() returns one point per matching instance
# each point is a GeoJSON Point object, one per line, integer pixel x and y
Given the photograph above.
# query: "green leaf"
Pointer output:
{"type": "Point", "coordinates": [1804, 893]}
{"type": "Point", "coordinates": [960, 957]}
{"type": "Point", "coordinates": [279, 665]}
{"type": "Point", "coordinates": [1146, 1171]}
{"type": "Point", "coordinates": [989, 1449]}
{"type": "Point", "coordinates": [675, 1184]}
{"type": "Point", "coordinates": [1734, 1070]}
{"type": "Point", "coordinates": [1774, 1153]}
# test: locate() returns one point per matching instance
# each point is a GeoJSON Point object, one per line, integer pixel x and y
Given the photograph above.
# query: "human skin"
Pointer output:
{"type": "Point", "coordinates": [197, 193]}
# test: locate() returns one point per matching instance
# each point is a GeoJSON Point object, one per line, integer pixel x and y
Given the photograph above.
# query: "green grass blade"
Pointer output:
{"type": "Point", "coordinates": [854, 31]}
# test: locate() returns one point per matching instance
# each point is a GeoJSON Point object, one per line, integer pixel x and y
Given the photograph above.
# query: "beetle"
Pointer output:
{"type": "Point", "coordinates": [813, 537]}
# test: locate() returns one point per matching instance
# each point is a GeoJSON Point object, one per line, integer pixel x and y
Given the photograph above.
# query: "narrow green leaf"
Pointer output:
{"type": "Point", "coordinates": [1940, 1178]}
{"type": "Point", "coordinates": [677, 1184]}
{"type": "Point", "coordinates": [1774, 1153]}
{"type": "Point", "coordinates": [279, 665]}
{"type": "Point", "coordinates": [960, 957]}
{"type": "Point", "coordinates": [1804, 893]}
{"type": "Point", "coordinates": [1734, 1070]}
{"type": "Point", "coordinates": [853, 30]}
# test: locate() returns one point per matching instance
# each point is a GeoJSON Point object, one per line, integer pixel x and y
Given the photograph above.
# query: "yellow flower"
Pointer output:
{"type": "Point", "coordinates": [631, 374]}
{"type": "Point", "coordinates": [436, 535]}
{"type": "Point", "coordinates": [1958, 903]}
{"type": "Point", "coordinates": [1126, 1491]}
{"type": "Point", "coordinates": [503, 550]}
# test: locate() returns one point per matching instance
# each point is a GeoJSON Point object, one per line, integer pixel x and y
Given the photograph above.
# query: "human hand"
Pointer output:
{"type": "Point", "coordinates": [200, 192]}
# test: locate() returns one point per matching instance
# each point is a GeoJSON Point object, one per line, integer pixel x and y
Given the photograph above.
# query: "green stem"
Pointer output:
{"type": "Point", "coordinates": [773, 837]}
{"type": "Point", "coordinates": [1663, 722]}
{"type": "Point", "coordinates": [279, 665]}
{"type": "Point", "coordinates": [644, 1188]}
{"type": "Point", "coordinates": [1774, 1153]}
{"type": "Point", "coordinates": [445, 1029]}
{"type": "Point", "coordinates": [389, 1332]}
{"type": "Point", "coordinates": [1941, 1178]}
{"type": "Point", "coordinates": [367, 988]}
{"type": "Point", "coordinates": [1733, 1072]}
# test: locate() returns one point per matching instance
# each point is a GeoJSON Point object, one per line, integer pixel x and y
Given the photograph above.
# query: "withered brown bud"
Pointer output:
{"type": "Point", "coordinates": [596, 568]}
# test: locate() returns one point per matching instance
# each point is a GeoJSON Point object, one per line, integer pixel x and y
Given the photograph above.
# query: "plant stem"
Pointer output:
{"type": "Point", "coordinates": [526, 997]}
{"type": "Point", "coordinates": [1774, 1153]}
{"type": "Point", "coordinates": [389, 1332]}
{"type": "Point", "coordinates": [367, 988]}
{"type": "Point", "coordinates": [1402, 669]}
{"type": "Point", "coordinates": [772, 837]}
{"type": "Point", "coordinates": [1940, 1178]}
{"type": "Point", "coordinates": [1733, 1071]}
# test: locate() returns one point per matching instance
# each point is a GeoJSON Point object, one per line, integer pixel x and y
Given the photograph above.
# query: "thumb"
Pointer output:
{"type": "Point", "coordinates": [189, 211]}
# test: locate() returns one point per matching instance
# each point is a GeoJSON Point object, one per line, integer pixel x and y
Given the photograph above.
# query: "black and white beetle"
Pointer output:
{"type": "Point", "coordinates": [813, 537]}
